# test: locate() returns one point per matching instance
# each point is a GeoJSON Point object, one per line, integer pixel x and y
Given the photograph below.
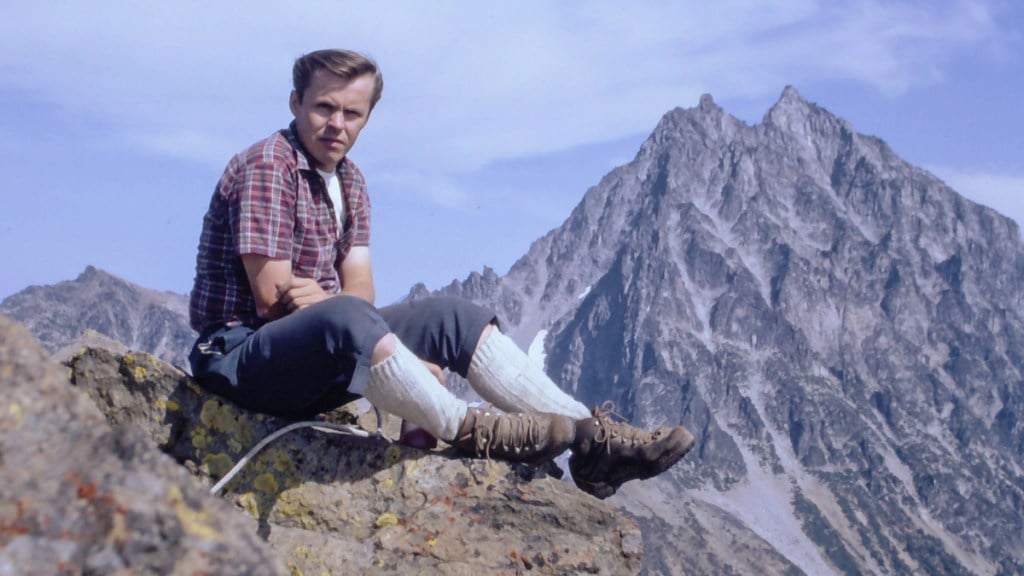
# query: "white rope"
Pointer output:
{"type": "Point", "coordinates": [315, 424]}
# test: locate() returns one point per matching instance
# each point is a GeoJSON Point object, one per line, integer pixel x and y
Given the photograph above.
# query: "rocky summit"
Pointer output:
{"type": "Point", "coordinates": [107, 466]}
{"type": "Point", "coordinates": [841, 330]}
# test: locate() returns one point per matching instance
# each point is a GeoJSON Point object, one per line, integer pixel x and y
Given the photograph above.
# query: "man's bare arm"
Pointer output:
{"type": "Point", "coordinates": [356, 271]}
{"type": "Point", "coordinates": [265, 275]}
{"type": "Point", "coordinates": [276, 291]}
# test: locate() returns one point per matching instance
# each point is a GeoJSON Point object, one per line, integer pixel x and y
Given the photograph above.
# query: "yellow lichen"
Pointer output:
{"type": "Point", "coordinates": [218, 464]}
{"type": "Point", "coordinates": [389, 483]}
{"type": "Point", "coordinates": [392, 455]}
{"type": "Point", "coordinates": [266, 483]}
{"type": "Point", "coordinates": [292, 505]}
{"type": "Point", "coordinates": [140, 373]}
{"type": "Point", "coordinates": [222, 418]}
{"type": "Point", "coordinates": [194, 522]}
{"type": "Point", "coordinates": [199, 438]}
{"type": "Point", "coordinates": [432, 542]}
{"type": "Point", "coordinates": [281, 462]}
{"type": "Point", "coordinates": [167, 405]}
{"type": "Point", "coordinates": [386, 519]}
{"type": "Point", "coordinates": [250, 503]}
{"type": "Point", "coordinates": [14, 415]}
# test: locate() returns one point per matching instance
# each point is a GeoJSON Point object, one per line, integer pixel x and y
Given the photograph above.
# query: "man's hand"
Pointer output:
{"type": "Point", "coordinates": [297, 293]}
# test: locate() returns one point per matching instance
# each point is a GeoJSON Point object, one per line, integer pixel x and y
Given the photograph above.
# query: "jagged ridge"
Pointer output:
{"type": "Point", "coordinates": [841, 328]}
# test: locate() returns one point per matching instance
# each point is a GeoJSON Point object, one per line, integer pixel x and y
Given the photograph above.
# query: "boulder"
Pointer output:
{"type": "Point", "coordinates": [78, 496]}
{"type": "Point", "coordinates": [333, 503]}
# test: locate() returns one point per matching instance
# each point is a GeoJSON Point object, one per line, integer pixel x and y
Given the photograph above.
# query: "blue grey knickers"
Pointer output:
{"type": "Point", "coordinates": [318, 358]}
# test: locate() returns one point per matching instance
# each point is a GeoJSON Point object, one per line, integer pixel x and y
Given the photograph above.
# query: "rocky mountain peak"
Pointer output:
{"type": "Point", "coordinates": [707, 103]}
{"type": "Point", "coordinates": [838, 326]}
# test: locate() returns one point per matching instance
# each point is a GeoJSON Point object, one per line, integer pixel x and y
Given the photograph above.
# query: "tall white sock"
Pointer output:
{"type": "Point", "coordinates": [403, 386]}
{"type": "Point", "coordinates": [504, 375]}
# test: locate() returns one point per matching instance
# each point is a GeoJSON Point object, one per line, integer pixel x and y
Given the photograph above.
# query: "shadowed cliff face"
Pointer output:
{"type": "Point", "coordinates": [841, 330]}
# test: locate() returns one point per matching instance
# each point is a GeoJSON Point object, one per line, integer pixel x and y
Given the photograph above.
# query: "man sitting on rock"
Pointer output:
{"type": "Point", "coordinates": [284, 304]}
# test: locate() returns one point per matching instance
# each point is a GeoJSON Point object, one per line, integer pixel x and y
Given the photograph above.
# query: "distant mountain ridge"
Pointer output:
{"type": "Point", "coordinates": [842, 331]}
{"type": "Point", "coordinates": [139, 318]}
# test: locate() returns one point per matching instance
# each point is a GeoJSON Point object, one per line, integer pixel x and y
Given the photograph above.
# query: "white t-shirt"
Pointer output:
{"type": "Point", "coordinates": [334, 191]}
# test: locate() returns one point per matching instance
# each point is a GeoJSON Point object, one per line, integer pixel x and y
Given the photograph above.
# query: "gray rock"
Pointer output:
{"type": "Point", "coordinates": [335, 503]}
{"type": "Point", "coordinates": [80, 497]}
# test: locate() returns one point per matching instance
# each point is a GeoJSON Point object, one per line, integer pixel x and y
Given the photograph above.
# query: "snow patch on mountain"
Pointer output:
{"type": "Point", "coordinates": [536, 349]}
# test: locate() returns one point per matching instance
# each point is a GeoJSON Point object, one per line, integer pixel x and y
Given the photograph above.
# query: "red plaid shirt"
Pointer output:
{"type": "Point", "coordinates": [271, 201]}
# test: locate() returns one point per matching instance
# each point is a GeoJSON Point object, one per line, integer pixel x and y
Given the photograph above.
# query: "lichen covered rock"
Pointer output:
{"type": "Point", "coordinates": [333, 503]}
{"type": "Point", "coordinates": [78, 496]}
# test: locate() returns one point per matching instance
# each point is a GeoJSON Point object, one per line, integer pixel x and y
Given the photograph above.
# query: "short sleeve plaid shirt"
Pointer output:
{"type": "Point", "coordinates": [271, 201]}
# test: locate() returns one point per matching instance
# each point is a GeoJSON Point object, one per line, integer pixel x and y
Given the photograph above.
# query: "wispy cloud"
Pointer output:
{"type": "Point", "coordinates": [433, 187]}
{"type": "Point", "coordinates": [466, 84]}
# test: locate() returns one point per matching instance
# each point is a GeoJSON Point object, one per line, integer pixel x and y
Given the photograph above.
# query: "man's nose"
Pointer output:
{"type": "Point", "coordinates": [337, 120]}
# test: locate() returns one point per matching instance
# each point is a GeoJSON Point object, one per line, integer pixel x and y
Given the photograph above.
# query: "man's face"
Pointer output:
{"type": "Point", "coordinates": [332, 112]}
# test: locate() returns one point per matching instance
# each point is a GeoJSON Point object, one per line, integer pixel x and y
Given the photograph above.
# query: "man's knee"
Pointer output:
{"type": "Point", "coordinates": [383, 349]}
{"type": "Point", "coordinates": [349, 320]}
{"type": "Point", "coordinates": [462, 310]}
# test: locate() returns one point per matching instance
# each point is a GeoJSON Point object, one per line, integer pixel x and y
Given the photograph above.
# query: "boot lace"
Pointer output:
{"type": "Point", "coordinates": [622, 432]}
{"type": "Point", "coordinates": [510, 432]}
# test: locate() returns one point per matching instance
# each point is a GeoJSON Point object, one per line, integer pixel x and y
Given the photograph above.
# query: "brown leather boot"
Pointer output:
{"type": "Point", "coordinates": [606, 454]}
{"type": "Point", "coordinates": [520, 437]}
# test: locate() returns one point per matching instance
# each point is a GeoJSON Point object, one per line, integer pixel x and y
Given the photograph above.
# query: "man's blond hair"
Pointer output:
{"type": "Point", "coordinates": [344, 63]}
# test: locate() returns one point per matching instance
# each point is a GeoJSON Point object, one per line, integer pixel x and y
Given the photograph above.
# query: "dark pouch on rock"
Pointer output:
{"type": "Point", "coordinates": [211, 365]}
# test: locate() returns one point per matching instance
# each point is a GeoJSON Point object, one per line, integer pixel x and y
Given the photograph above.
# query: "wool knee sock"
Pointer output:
{"type": "Point", "coordinates": [504, 375]}
{"type": "Point", "coordinates": [403, 386]}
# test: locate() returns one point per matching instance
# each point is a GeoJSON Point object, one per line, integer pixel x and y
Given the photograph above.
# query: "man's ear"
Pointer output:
{"type": "Point", "coordinates": [293, 103]}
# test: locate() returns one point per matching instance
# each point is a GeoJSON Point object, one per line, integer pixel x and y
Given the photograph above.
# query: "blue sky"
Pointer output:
{"type": "Point", "coordinates": [116, 122]}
